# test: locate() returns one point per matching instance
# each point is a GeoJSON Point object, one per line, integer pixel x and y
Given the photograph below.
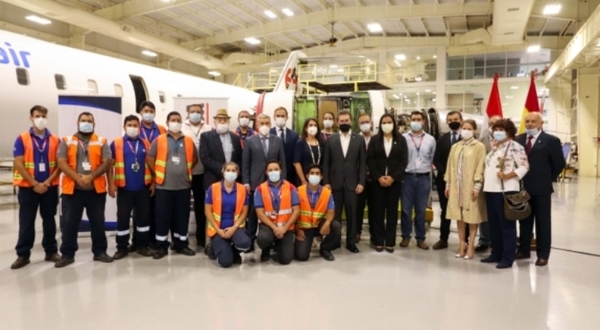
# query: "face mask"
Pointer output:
{"type": "Point", "coordinates": [454, 125]}
{"type": "Point", "coordinates": [387, 128]}
{"type": "Point", "coordinates": [312, 131]}
{"type": "Point", "coordinates": [365, 128]}
{"type": "Point", "coordinates": [274, 176]}
{"type": "Point", "coordinates": [132, 132]}
{"type": "Point", "coordinates": [532, 131]}
{"type": "Point", "coordinates": [314, 179]}
{"type": "Point", "coordinates": [280, 122]}
{"type": "Point", "coordinates": [345, 128]}
{"type": "Point", "coordinates": [175, 127]}
{"type": "Point", "coordinates": [416, 126]}
{"type": "Point", "coordinates": [148, 117]}
{"type": "Point", "coordinates": [230, 176]}
{"type": "Point", "coordinates": [195, 117]}
{"type": "Point", "coordinates": [466, 134]}
{"type": "Point", "coordinates": [222, 128]}
{"type": "Point", "coordinates": [499, 135]}
{"type": "Point", "coordinates": [40, 123]}
{"type": "Point", "coordinates": [85, 127]}
{"type": "Point", "coordinates": [328, 123]}
{"type": "Point", "coordinates": [264, 130]}
{"type": "Point", "coordinates": [244, 122]}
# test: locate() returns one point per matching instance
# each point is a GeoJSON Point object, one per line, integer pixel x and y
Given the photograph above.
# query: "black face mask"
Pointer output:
{"type": "Point", "coordinates": [344, 128]}
{"type": "Point", "coordinates": [454, 125]}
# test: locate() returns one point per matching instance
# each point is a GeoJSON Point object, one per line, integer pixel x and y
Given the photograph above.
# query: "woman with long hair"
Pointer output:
{"type": "Point", "coordinates": [328, 122]}
{"type": "Point", "coordinates": [309, 148]}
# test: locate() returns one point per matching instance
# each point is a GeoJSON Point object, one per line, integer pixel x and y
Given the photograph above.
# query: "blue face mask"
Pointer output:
{"type": "Point", "coordinates": [532, 131]}
{"type": "Point", "coordinates": [499, 135]}
{"type": "Point", "coordinates": [85, 127]}
{"type": "Point", "coordinates": [416, 126]}
{"type": "Point", "coordinates": [230, 176]}
{"type": "Point", "coordinates": [314, 179]}
{"type": "Point", "coordinates": [274, 176]}
{"type": "Point", "coordinates": [195, 117]}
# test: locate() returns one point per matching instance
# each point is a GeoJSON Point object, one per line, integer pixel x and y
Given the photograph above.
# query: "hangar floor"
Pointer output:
{"type": "Point", "coordinates": [408, 289]}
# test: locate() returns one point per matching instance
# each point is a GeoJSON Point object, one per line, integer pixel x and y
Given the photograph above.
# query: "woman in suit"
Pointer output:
{"type": "Point", "coordinates": [309, 149]}
{"type": "Point", "coordinates": [464, 180]}
{"type": "Point", "coordinates": [387, 159]}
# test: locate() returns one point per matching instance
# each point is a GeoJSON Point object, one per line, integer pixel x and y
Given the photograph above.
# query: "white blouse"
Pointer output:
{"type": "Point", "coordinates": [515, 161]}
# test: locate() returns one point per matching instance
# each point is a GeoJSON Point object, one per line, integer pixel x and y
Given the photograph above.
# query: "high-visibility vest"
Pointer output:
{"type": "Point", "coordinates": [217, 204]}
{"type": "Point", "coordinates": [119, 178]}
{"type": "Point", "coordinates": [285, 203]}
{"type": "Point", "coordinates": [29, 160]}
{"type": "Point", "coordinates": [94, 157]}
{"type": "Point", "coordinates": [162, 152]}
{"type": "Point", "coordinates": [309, 217]}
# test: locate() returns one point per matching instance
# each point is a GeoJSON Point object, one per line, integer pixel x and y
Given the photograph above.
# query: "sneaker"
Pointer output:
{"type": "Point", "coordinates": [103, 258]}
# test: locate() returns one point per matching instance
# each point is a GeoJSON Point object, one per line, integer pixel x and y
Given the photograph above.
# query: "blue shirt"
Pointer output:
{"type": "Point", "coordinates": [420, 152]}
{"type": "Point", "coordinates": [313, 198]}
{"type": "Point", "coordinates": [151, 133]}
{"type": "Point", "coordinates": [274, 191]}
{"type": "Point", "coordinates": [228, 204]}
{"type": "Point", "coordinates": [40, 153]}
{"type": "Point", "coordinates": [134, 181]}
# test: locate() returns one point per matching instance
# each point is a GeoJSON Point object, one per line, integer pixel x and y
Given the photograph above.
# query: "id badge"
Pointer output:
{"type": "Point", "coordinates": [135, 167]}
{"type": "Point", "coordinates": [86, 166]}
{"type": "Point", "coordinates": [418, 161]}
{"type": "Point", "coordinates": [175, 160]}
{"type": "Point", "coordinates": [42, 167]}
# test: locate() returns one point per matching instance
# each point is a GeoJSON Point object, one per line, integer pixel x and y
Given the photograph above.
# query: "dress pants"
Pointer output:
{"type": "Point", "coordinates": [302, 249]}
{"type": "Point", "coordinates": [345, 199]}
{"type": "Point", "coordinates": [415, 192]}
{"type": "Point", "coordinates": [385, 222]}
{"type": "Point", "coordinates": [541, 214]}
{"type": "Point", "coordinates": [199, 194]}
{"type": "Point", "coordinates": [172, 213]}
{"type": "Point", "coordinates": [484, 233]}
{"type": "Point", "coordinates": [503, 232]}
{"type": "Point", "coordinates": [136, 201]}
{"type": "Point", "coordinates": [72, 211]}
{"type": "Point", "coordinates": [29, 201]}
{"type": "Point", "coordinates": [444, 223]}
{"type": "Point", "coordinates": [224, 249]}
{"type": "Point", "coordinates": [365, 199]}
{"type": "Point", "coordinates": [284, 246]}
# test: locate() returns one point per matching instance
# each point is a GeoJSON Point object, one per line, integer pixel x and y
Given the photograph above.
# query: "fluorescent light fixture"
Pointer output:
{"type": "Point", "coordinates": [374, 27]}
{"type": "Point", "coordinates": [214, 73]}
{"type": "Point", "coordinates": [508, 96]}
{"type": "Point", "coordinates": [433, 100]}
{"type": "Point", "coordinates": [340, 70]}
{"type": "Point", "coordinates": [417, 93]}
{"type": "Point", "coordinates": [418, 57]}
{"type": "Point", "coordinates": [533, 49]}
{"type": "Point", "coordinates": [396, 97]}
{"type": "Point", "coordinates": [270, 14]}
{"type": "Point", "coordinates": [274, 70]}
{"type": "Point", "coordinates": [514, 87]}
{"type": "Point", "coordinates": [287, 12]}
{"type": "Point", "coordinates": [149, 53]}
{"type": "Point", "coordinates": [398, 63]}
{"type": "Point", "coordinates": [400, 57]}
{"type": "Point", "coordinates": [434, 93]}
{"type": "Point", "coordinates": [428, 91]}
{"type": "Point", "coordinates": [434, 56]}
{"type": "Point", "coordinates": [333, 66]}
{"type": "Point", "coordinates": [38, 19]}
{"type": "Point", "coordinates": [552, 9]}
{"type": "Point", "coordinates": [400, 94]}
{"type": "Point", "coordinates": [252, 41]}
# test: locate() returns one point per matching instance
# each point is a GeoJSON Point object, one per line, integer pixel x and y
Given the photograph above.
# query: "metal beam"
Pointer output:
{"type": "Point", "coordinates": [207, 18]}
{"type": "Point", "coordinates": [132, 8]}
{"type": "Point", "coordinates": [404, 27]}
{"type": "Point", "coordinates": [189, 22]}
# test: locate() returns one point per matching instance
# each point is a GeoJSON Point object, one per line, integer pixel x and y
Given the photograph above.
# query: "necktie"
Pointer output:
{"type": "Point", "coordinates": [282, 134]}
{"type": "Point", "coordinates": [264, 145]}
{"type": "Point", "coordinates": [454, 138]}
{"type": "Point", "coordinates": [528, 145]}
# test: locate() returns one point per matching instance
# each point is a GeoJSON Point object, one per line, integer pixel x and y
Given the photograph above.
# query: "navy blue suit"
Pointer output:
{"type": "Point", "coordinates": [289, 145]}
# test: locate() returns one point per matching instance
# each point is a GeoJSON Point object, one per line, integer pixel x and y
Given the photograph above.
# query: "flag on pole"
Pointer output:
{"type": "Point", "coordinates": [494, 106]}
{"type": "Point", "coordinates": [531, 103]}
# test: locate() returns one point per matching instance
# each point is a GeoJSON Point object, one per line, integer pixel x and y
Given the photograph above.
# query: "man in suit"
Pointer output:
{"type": "Point", "coordinates": [345, 170]}
{"type": "Point", "coordinates": [259, 150]}
{"type": "Point", "coordinates": [544, 153]}
{"type": "Point", "coordinates": [289, 138]}
{"type": "Point", "coordinates": [440, 159]}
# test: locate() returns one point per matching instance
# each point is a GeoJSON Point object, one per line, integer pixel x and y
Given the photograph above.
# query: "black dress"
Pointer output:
{"type": "Point", "coordinates": [307, 155]}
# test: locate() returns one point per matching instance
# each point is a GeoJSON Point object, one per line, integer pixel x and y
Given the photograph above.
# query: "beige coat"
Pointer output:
{"type": "Point", "coordinates": [474, 154]}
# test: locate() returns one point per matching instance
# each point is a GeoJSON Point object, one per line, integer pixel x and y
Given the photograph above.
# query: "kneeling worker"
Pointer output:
{"type": "Point", "coordinates": [316, 217]}
{"type": "Point", "coordinates": [276, 202]}
{"type": "Point", "coordinates": [226, 207]}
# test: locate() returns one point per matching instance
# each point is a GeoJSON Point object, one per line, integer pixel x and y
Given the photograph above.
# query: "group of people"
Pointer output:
{"type": "Point", "coordinates": [274, 188]}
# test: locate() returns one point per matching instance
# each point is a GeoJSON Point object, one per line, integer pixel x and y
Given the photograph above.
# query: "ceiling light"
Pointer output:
{"type": "Point", "coordinates": [433, 100]}
{"type": "Point", "coordinates": [396, 97]}
{"type": "Point", "coordinates": [270, 14]}
{"type": "Point", "coordinates": [552, 9]}
{"type": "Point", "coordinates": [149, 53]}
{"type": "Point", "coordinates": [434, 93]}
{"type": "Point", "coordinates": [434, 56]}
{"type": "Point", "coordinates": [514, 87]}
{"type": "Point", "coordinates": [417, 93]}
{"type": "Point", "coordinates": [533, 48]}
{"type": "Point", "coordinates": [374, 27]}
{"type": "Point", "coordinates": [418, 57]}
{"type": "Point", "coordinates": [287, 12]}
{"type": "Point", "coordinates": [508, 96]}
{"type": "Point", "coordinates": [333, 66]}
{"type": "Point", "coordinates": [214, 73]}
{"type": "Point", "coordinates": [167, 0]}
{"type": "Point", "coordinates": [252, 41]}
{"type": "Point", "coordinates": [428, 91]}
{"type": "Point", "coordinates": [400, 57]}
{"type": "Point", "coordinates": [38, 19]}
{"type": "Point", "coordinates": [340, 70]}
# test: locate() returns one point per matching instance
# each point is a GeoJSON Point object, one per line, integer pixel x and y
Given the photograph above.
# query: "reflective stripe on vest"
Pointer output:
{"type": "Point", "coordinates": [119, 178]}
{"type": "Point", "coordinates": [309, 217]}
{"type": "Point", "coordinates": [285, 204]}
{"type": "Point", "coordinates": [217, 204]}
{"type": "Point", "coordinates": [94, 157]}
{"type": "Point", "coordinates": [162, 152]}
{"type": "Point", "coordinates": [29, 159]}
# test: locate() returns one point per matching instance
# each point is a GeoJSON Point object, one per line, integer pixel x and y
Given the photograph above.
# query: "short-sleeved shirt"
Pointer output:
{"type": "Point", "coordinates": [258, 200]}
{"type": "Point", "coordinates": [134, 180]}
{"type": "Point", "coordinates": [81, 157]}
{"type": "Point", "coordinates": [149, 134]}
{"type": "Point", "coordinates": [41, 147]}
{"type": "Point", "coordinates": [228, 204]}
{"type": "Point", "coordinates": [313, 198]}
{"type": "Point", "coordinates": [176, 175]}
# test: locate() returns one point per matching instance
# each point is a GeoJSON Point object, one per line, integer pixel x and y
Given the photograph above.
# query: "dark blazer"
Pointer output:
{"type": "Point", "coordinates": [395, 163]}
{"type": "Point", "coordinates": [440, 157]}
{"type": "Point", "coordinates": [291, 138]}
{"type": "Point", "coordinates": [546, 162]}
{"type": "Point", "coordinates": [345, 172]}
{"type": "Point", "coordinates": [213, 157]}
{"type": "Point", "coordinates": [254, 161]}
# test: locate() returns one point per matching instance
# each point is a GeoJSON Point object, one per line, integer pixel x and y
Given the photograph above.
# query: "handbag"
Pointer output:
{"type": "Point", "coordinates": [516, 206]}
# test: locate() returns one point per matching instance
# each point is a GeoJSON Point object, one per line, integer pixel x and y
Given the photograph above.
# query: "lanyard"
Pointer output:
{"type": "Point", "coordinates": [37, 145]}
{"type": "Point", "coordinates": [85, 151]}
{"type": "Point", "coordinates": [420, 143]}
{"type": "Point", "coordinates": [313, 200]}
{"type": "Point", "coordinates": [175, 146]}
{"type": "Point", "coordinates": [312, 155]}
{"type": "Point", "coordinates": [135, 151]}
{"type": "Point", "coordinates": [149, 138]}
{"type": "Point", "coordinates": [276, 198]}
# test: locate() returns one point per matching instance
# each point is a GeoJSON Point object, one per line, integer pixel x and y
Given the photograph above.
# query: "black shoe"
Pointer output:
{"type": "Point", "coordinates": [503, 265]}
{"type": "Point", "coordinates": [237, 258]}
{"type": "Point", "coordinates": [490, 260]}
{"type": "Point", "coordinates": [327, 255]}
{"type": "Point", "coordinates": [120, 254]}
{"type": "Point", "coordinates": [20, 263]}
{"type": "Point", "coordinates": [352, 248]}
{"type": "Point", "coordinates": [379, 249]}
{"type": "Point", "coordinates": [482, 248]}
{"type": "Point", "coordinates": [103, 258]}
{"type": "Point", "coordinates": [186, 251]}
{"type": "Point", "coordinates": [63, 262]}
{"type": "Point", "coordinates": [132, 248]}
{"type": "Point", "coordinates": [144, 251]}
{"type": "Point", "coordinates": [208, 251]}
{"type": "Point", "coordinates": [251, 249]}
{"type": "Point", "coordinates": [521, 256]}
{"type": "Point", "coordinates": [201, 243]}
{"type": "Point", "coordinates": [159, 254]}
{"type": "Point", "coordinates": [265, 255]}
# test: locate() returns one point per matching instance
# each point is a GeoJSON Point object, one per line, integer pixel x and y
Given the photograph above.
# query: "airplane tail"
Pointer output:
{"type": "Point", "coordinates": [288, 80]}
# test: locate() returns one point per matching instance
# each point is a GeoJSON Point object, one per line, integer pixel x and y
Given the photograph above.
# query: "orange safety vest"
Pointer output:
{"type": "Point", "coordinates": [285, 203]}
{"type": "Point", "coordinates": [217, 204]}
{"type": "Point", "coordinates": [119, 178]}
{"type": "Point", "coordinates": [162, 148]}
{"type": "Point", "coordinates": [309, 217]}
{"type": "Point", "coordinates": [29, 160]}
{"type": "Point", "coordinates": [95, 159]}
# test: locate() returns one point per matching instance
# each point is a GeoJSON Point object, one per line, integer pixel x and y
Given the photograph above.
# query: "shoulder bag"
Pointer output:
{"type": "Point", "coordinates": [516, 205]}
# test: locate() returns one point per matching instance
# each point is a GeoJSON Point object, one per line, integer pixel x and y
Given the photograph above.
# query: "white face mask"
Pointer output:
{"type": "Point", "coordinates": [148, 117]}
{"type": "Point", "coordinates": [244, 122]}
{"type": "Point", "coordinates": [132, 132]}
{"type": "Point", "coordinates": [365, 128]}
{"type": "Point", "coordinates": [328, 123]}
{"type": "Point", "coordinates": [466, 134]}
{"type": "Point", "coordinates": [264, 130]}
{"type": "Point", "coordinates": [175, 127]}
{"type": "Point", "coordinates": [312, 131]}
{"type": "Point", "coordinates": [40, 123]}
{"type": "Point", "coordinates": [280, 122]}
{"type": "Point", "coordinates": [387, 128]}
{"type": "Point", "coordinates": [222, 128]}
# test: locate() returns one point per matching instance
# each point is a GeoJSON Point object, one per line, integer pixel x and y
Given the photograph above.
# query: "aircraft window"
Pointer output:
{"type": "Point", "coordinates": [59, 79]}
{"type": "Point", "coordinates": [161, 97]}
{"type": "Point", "coordinates": [118, 90]}
{"type": "Point", "coordinates": [92, 87]}
{"type": "Point", "coordinates": [22, 76]}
